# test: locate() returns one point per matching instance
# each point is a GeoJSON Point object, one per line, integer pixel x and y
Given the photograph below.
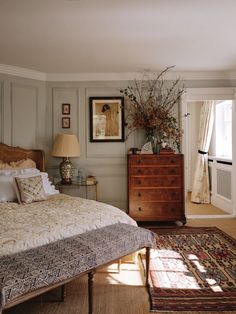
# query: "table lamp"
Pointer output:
{"type": "Point", "coordinates": [66, 146]}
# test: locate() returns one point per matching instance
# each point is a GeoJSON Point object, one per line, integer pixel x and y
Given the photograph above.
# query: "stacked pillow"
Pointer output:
{"type": "Point", "coordinates": [19, 164]}
{"type": "Point", "coordinates": [24, 185]}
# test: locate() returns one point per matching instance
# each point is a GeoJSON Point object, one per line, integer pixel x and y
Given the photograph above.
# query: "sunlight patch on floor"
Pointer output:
{"type": "Point", "coordinates": [130, 274]}
{"type": "Point", "coordinates": [171, 270]}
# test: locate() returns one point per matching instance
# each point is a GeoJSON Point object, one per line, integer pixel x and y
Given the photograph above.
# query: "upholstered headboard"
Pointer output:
{"type": "Point", "coordinates": [10, 153]}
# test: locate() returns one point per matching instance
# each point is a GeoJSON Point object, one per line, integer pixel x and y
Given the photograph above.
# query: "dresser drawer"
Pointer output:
{"type": "Point", "coordinates": [159, 194]}
{"type": "Point", "coordinates": [155, 181]}
{"type": "Point", "coordinates": [154, 159]}
{"type": "Point", "coordinates": [156, 187]}
{"type": "Point", "coordinates": [149, 210]}
{"type": "Point", "coordinates": [155, 170]}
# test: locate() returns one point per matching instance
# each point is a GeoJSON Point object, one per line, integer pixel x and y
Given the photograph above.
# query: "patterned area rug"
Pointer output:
{"type": "Point", "coordinates": [192, 269]}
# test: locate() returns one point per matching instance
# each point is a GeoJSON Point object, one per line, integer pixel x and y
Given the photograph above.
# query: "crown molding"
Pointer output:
{"type": "Point", "coordinates": [111, 76]}
{"type": "Point", "coordinates": [198, 75]}
{"type": "Point", "coordinates": [22, 72]}
{"type": "Point", "coordinates": [207, 75]}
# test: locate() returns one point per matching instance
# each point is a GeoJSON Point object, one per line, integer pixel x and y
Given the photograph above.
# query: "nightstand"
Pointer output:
{"type": "Point", "coordinates": [84, 190]}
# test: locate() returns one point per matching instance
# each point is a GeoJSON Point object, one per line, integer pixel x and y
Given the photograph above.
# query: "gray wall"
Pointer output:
{"type": "Point", "coordinates": [106, 161]}
{"type": "Point", "coordinates": [30, 116]}
{"type": "Point", "coordinates": [22, 112]}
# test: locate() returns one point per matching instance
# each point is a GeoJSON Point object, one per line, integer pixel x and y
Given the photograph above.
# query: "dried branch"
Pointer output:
{"type": "Point", "coordinates": [150, 103]}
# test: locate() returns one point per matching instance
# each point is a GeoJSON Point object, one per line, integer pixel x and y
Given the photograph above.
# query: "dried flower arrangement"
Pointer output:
{"type": "Point", "coordinates": [150, 104]}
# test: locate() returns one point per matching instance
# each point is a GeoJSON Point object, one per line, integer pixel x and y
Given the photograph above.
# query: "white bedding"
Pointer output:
{"type": "Point", "coordinates": [27, 226]}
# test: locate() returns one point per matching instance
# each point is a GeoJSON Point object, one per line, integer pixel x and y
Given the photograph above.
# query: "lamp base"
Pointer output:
{"type": "Point", "coordinates": [66, 181]}
{"type": "Point", "coordinates": [66, 171]}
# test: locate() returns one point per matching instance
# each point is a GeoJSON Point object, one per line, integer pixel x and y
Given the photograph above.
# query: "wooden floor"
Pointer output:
{"type": "Point", "coordinates": [114, 293]}
{"type": "Point", "coordinates": [202, 209]}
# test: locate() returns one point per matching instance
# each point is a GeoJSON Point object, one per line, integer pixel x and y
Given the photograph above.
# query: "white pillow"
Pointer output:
{"type": "Point", "coordinates": [49, 188]}
{"type": "Point", "coordinates": [15, 172]}
{"type": "Point", "coordinates": [7, 191]}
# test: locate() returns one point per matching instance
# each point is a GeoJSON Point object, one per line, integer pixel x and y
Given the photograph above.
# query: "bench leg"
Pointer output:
{"type": "Point", "coordinates": [63, 293]}
{"type": "Point", "coordinates": [90, 292]}
{"type": "Point", "coordinates": [119, 265]}
{"type": "Point", "coordinates": [147, 264]}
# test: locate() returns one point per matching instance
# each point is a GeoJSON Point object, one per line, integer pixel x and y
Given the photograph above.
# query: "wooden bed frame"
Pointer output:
{"type": "Point", "coordinates": [8, 154]}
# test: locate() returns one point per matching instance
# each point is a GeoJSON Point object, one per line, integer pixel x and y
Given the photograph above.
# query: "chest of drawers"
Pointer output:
{"type": "Point", "coordinates": [156, 187]}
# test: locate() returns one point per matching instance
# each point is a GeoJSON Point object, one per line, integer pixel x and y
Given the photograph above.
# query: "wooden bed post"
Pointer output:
{"type": "Point", "coordinates": [147, 264]}
{"type": "Point", "coordinates": [90, 291]}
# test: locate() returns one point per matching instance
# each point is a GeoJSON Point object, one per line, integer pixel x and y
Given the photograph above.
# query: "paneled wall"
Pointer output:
{"type": "Point", "coordinates": [221, 184]}
{"type": "Point", "coordinates": [30, 116]}
{"type": "Point", "coordinates": [106, 161]}
{"type": "Point", "coordinates": [22, 112]}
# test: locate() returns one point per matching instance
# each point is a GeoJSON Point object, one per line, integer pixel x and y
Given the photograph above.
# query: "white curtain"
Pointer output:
{"type": "Point", "coordinates": [201, 187]}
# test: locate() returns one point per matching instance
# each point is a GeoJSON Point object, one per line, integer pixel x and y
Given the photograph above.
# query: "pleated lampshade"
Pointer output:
{"type": "Point", "coordinates": [66, 145]}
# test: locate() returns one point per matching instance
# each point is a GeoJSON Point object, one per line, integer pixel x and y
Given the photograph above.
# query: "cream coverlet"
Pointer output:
{"type": "Point", "coordinates": [28, 226]}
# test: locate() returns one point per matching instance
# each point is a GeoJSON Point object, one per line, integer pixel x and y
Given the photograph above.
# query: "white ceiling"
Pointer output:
{"type": "Point", "coordinates": [92, 36]}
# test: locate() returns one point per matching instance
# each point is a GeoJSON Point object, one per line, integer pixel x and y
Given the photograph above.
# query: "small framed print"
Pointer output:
{"type": "Point", "coordinates": [65, 108]}
{"type": "Point", "coordinates": [106, 119]}
{"type": "Point", "coordinates": [65, 123]}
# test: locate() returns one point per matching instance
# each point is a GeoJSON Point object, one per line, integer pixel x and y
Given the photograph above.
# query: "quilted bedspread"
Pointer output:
{"type": "Point", "coordinates": [30, 225]}
{"type": "Point", "coordinates": [40, 267]}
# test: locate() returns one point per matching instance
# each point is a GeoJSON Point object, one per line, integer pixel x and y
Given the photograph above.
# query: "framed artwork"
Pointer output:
{"type": "Point", "coordinates": [65, 123]}
{"type": "Point", "coordinates": [65, 108]}
{"type": "Point", "coordinates": [106, 119]}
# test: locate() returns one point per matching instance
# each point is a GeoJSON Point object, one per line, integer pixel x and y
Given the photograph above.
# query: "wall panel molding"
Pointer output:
{"type": "Point", "coordinates": [62, 95]}
{"type": "Point", "coordinates": [24, 111]}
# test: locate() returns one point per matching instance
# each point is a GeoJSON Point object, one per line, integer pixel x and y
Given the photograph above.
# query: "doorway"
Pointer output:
{"type": "Point", "coordinates": [222, 170]}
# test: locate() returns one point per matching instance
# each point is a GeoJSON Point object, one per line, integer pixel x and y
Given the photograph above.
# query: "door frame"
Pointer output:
{"type": "Point", "coordinates": [202, 94]}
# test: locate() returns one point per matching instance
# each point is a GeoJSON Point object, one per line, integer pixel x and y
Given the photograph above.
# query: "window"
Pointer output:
{"type": "Point", "coordinates": [223, 129]}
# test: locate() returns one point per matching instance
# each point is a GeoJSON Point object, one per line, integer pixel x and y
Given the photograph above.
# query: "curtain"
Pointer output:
{"type": "Point", "coordinates": [201, 187]}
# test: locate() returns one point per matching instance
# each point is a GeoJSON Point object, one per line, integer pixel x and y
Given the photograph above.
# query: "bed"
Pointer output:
{"type": "Point", "coordinates": [58, 224]}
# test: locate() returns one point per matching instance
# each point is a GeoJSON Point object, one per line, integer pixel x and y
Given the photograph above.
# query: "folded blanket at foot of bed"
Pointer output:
{"type": "Point", "coordinates": [57, 262]}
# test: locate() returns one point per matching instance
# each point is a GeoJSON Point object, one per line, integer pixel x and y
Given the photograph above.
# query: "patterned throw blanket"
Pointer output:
{"type": "Point", "coordinates": [24, 272]}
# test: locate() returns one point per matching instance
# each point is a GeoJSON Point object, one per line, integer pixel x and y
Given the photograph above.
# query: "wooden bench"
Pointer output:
{"type": "Point", "coordinates": [30, 273]}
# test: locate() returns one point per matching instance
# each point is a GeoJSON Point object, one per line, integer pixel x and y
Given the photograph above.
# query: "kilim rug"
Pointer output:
{"type": "Point", "coordinates": [192, 269]}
